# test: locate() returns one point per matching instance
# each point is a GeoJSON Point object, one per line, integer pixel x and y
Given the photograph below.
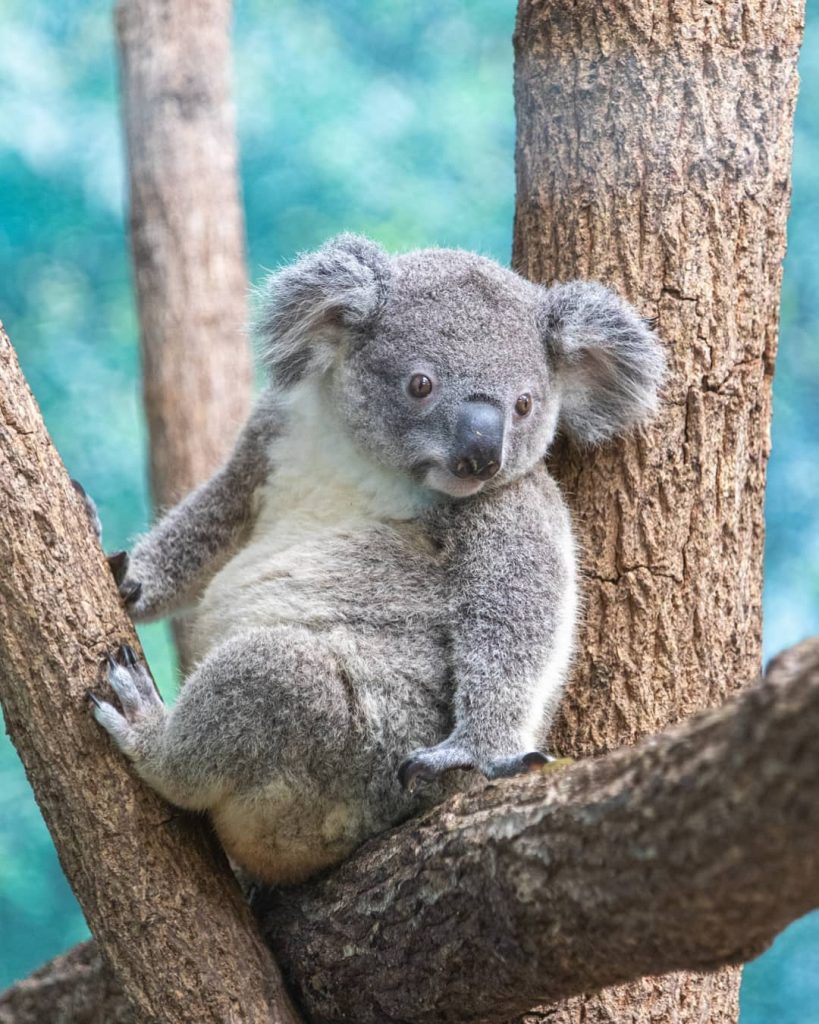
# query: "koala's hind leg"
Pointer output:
{"type": "Point", "coordinates": [267, 734]}
{"type": "Point", "coordinates": [139, 725]}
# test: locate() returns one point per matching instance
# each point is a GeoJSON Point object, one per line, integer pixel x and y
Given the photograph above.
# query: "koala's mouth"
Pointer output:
{"type": "Point", "coordinates": [439, 479]}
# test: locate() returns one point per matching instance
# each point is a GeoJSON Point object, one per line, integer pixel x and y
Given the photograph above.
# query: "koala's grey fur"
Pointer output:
{"type": "Point", "coordinates": [362, 600]}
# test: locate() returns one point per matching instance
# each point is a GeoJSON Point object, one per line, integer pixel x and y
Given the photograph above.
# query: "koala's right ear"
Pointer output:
{"type": "Point", "coordinates": [305, 307]}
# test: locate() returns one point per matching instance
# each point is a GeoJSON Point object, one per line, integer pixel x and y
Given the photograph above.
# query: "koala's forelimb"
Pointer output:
{"type": "Point", "coordinates": [171, 565]}
{"type": "Point", "coordinates": [513, 617]}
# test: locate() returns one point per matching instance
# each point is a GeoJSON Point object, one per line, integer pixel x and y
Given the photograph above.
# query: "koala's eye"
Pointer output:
{"type": "Point", "coordinates": [523, 406]}
{"type": "Point", "coordinates": [420, 386]}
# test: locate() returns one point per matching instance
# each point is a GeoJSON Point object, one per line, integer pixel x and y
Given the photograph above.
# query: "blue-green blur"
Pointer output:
{"type": "Point", "coordinates": [390, 118]}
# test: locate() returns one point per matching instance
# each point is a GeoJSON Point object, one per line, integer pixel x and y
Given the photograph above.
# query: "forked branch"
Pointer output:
{"type": "Point", "coordinates": [525, 891]}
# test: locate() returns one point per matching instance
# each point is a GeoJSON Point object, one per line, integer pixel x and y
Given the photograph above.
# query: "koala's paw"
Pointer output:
{"type": "Point", "coordinates": [518, 764]}
{"type": "Point", "coordinates": [138, 697]}
{"type": "Point", "coordinates": [130, 589]}
{"type": "Point", "coordinates": [429, 763]}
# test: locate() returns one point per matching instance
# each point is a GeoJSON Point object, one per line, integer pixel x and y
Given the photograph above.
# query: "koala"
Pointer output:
{"type": "Point", "coordinates": [381, 580]}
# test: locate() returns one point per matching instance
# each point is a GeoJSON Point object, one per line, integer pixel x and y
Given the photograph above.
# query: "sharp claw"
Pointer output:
{"type": "Point", "coordinates": [93, 698]}
{"type": "Point", "coordinates": [128, 655]}
{"type": "Point", "coordinates": [131, 592]}
{"type": "Point", "coordinates": [118, 563]}
{"type": "Point", "coordinates": [412, 772]}
{"type": "Point", "coordinates": [110, 660]}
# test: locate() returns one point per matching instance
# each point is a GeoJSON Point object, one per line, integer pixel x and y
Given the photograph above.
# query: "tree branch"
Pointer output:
{"type": "Point", "coordinates": [187, 234]}
{"type": "Point", "coordinates": [75, 988]}
{"type": "Point", "coordinates": [531, 890]}
{"type": "Point", "coordinates": [646, 861]}
{"type": "Point", "coordinates": [187, 240]}
{"type": "Point", "coordinates": [158, 896]}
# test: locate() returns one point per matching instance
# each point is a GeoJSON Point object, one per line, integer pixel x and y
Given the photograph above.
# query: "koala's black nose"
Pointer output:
{"type": "Point", "coordinates": [478, 441]}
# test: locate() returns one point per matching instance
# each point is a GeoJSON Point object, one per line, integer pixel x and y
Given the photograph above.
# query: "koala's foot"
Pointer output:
{"type": "Point", "coordinates": [430, 763]}
{"type": "Point", "coordinates": [138, 696]}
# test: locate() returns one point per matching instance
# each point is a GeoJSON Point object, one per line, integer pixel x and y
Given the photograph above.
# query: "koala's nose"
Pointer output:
{"type": "Point", "coordinates": [478, 441]}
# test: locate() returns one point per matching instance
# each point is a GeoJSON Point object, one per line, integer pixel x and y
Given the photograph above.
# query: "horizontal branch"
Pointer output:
{"type": "Point", "coordinates": [646, 861]}
{"type": "Point", "coordinates": [530, 890]}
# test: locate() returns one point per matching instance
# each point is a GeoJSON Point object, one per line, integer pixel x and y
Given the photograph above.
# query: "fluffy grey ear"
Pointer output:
{"type": "Point", "coordinates": [607, 361]}
{"type": "Point", "coordinates": [305, 307]}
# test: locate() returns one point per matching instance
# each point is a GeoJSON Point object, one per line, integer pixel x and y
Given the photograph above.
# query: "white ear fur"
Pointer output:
{"type": "Point", "coordinates": [608, 363]}
{"type": "Point", "coordinates": [305, 307]}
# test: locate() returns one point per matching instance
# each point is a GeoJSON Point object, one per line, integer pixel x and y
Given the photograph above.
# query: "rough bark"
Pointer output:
{"type": "Point", "coordinates": [654, 154]}
{"type": "Point", "coordinates": [644, 861]}
{"type": "Point", "coordinates": [155, 891]}
{"type": "Point", "coordinates": [75, 988]}
{"type": "Point", "coordinates": [187, 236]}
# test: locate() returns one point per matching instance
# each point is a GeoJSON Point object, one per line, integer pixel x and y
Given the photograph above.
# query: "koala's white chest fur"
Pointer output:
{"type": "Point", "coordinates": [322, 496]}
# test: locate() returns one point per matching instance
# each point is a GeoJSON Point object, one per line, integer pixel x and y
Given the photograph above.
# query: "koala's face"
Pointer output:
{"type": "Point", "coordinates": [450, 382]}
{"type": "Point", "coordinates": [445, 366]}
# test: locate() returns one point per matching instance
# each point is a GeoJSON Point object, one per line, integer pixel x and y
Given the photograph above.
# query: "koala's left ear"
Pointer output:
{"type": "Point", "coordinates": [607, 361]}
{"type": "Point", "coordinates": [306, 307]}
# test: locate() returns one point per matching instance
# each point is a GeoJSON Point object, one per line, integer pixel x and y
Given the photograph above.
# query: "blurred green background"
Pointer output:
{"type": "Point", "coordinates": [390, 118]}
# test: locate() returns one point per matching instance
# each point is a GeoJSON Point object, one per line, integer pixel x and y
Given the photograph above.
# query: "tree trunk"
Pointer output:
{"type": "Point", "coordinates": [187, 236]}
{"type": "Point", "coordinates": [643, 861]}
{"type": "Point", "coordinates": [654, 154]}
{"type": "Point", "coordinates": [156, 892]}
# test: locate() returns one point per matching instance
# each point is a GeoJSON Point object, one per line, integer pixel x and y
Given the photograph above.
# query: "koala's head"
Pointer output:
{"type": "Point", "coordinates": [444, 365]}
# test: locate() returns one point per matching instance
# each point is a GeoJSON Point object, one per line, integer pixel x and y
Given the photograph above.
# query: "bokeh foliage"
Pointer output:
{"type": "Point", "coordinates": [380, 116]}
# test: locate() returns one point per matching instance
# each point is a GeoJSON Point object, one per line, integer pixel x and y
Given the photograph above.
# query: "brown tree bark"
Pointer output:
{"type": "Point", "coordinates": [156, 892]}
{"type": "Point", "coordinates": [654, 154]}
{"type": "Point", "coordinates": [187, 236]}
{"type": "Point", "coordinates": [643, 861]}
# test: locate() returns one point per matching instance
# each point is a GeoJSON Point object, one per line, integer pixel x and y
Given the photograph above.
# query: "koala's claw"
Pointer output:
{"type": "Point", "coordinates": [413, 771]}
{"type": "Point", "coordinates": [138, 697]}
{"type": "Point", "coordinates": [535, 760]}
{"type": "Point", "coordinates": [130, 590]}
{"type": "Point", "coordinates": [118, 563]}
{"type": "Point", "coordinates": [128, 655]}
